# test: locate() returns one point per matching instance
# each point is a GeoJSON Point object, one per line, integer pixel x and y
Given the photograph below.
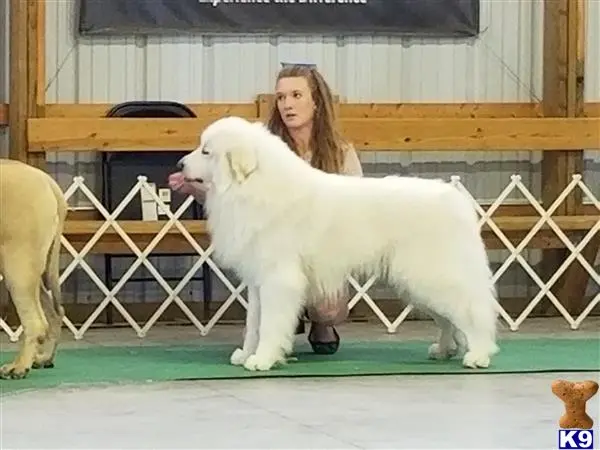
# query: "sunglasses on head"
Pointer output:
{"type": "Point", "coordinates": [285, 65]}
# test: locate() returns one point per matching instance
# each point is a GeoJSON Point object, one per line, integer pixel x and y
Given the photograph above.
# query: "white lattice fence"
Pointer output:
{"type": "Point", "coordinates": [172, 295]}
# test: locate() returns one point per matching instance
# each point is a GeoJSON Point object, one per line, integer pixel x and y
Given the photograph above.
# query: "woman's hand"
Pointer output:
{"type": "Point", "coordinates": [178, 183]}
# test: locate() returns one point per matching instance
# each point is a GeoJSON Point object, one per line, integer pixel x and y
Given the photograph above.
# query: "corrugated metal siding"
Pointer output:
{"type": "Point", "coordinates": [503, 64]}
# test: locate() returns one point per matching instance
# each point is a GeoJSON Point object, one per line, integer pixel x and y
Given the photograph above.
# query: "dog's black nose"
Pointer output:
{"type": "Point", "coordinates": [180, 164]}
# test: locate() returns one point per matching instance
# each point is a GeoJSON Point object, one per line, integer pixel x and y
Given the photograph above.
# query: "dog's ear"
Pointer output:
{"type": "Point", "coordinates": [242, 162]}
{"type": "Point", "coordinates": [235, 164]}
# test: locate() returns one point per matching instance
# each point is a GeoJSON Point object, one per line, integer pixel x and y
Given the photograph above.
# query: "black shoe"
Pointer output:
{"type": "Point", "coordinates": [325, 348]}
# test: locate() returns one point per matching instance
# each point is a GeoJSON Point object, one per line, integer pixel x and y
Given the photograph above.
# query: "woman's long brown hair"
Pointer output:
{"type": "Point", "coordinates": [326, 144]}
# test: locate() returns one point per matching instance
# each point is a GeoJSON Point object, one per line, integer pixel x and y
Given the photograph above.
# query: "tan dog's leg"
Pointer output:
{"type": "Point", "coordinates": [23, 282]}
{"type": "Point", "coordinates": [47, 351]}
{"type": "Point", "coordinates": [52, 307]}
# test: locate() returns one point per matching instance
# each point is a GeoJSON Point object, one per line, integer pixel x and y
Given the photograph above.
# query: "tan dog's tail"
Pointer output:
{"type": "Point", "coordinates": [52, 273]}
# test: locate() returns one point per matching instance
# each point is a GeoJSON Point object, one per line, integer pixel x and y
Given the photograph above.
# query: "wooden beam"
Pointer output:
{"type": "Point", "coordinates": [554, 167]}
{"type": "Point", "coordinates": [562, 92]}
{"type": "Point", "coordinates": [3, 115]}
{"type": "Point", "coordinates": [367, 134]}
{"type": "Point", "coordinates": [575, 89]}
{"type": "Point", "coordinates": [199, 227]}
{"type": "Point", "coordinates": [177, 244]}
{"type": "Point", "coordinates": [78, 232]}
{"type": "Point", "coordinates": [518, 210]}
{"type": "Point", "coordinates": [32, 55]}
{"type": "Point", "coordinates": [97, 110]}
{"type": "Point", "coordinates": [346, 110]}
{"type": "Point", "coordinates": [470, 134]}
{"type": "Point", "coordinates": [18, 79]}
{"type": "Point", "coordinates": [449, 110]}
{"type": "Point", "coordinates": [35, 68]}
{"type": "Point", "coordinates": [591, 109]}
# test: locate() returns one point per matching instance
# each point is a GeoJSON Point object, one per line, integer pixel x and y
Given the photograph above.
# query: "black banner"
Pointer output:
{"type": "Point", "coordinates": [424, 18]}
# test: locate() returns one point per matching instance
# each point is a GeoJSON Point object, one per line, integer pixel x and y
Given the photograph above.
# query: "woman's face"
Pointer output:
{"type": "Point", "coordinates": [294, 102]}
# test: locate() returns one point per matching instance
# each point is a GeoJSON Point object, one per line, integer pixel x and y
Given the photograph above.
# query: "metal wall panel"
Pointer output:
{"type": "Point", "coordinates": [502, 64]}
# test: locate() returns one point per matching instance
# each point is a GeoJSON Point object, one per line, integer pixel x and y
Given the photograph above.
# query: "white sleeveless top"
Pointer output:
{"type": "Point", "coordinates": [352, 165]}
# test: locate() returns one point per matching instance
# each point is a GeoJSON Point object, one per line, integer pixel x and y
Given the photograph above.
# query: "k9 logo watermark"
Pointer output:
{"type": "Point", "coordinates": [575, 439]}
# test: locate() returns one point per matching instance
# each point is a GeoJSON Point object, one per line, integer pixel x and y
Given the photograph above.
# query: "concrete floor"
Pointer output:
{"type": "Point", "coordinates": [495, 411]}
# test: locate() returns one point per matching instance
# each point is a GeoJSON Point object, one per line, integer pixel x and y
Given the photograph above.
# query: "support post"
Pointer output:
{"type": "Point", "coordinates": [576, 278]}
{"type": "Point", "coordinates": [563, 72]}
{"type": "Point", "coordinates": [26, 74]}
{"type": "Point", "coordinates": [19, 80]}
{"type": "Point", "coordinates": [36, 50]}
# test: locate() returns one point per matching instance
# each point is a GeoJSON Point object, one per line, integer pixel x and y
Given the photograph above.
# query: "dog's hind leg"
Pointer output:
{"type": "Point", "coordinates": [478, 324]}
{"type": "Point", "coordinates": [281, 300]}
{"type": "Point", "coordinates": [446, 346]}
{"type": "Point", "coordinates": [51, 299]}
{"type": "Point", "coordinates": [47, 352]}
{"type": "Point", "coordinates": [474, 316]}
{"type": "Point", "coordinates": [465, 312]}
{"type": "Point", "coordinates": [23, 282]}
{"type": "Point", "coordinates": [251, 333]}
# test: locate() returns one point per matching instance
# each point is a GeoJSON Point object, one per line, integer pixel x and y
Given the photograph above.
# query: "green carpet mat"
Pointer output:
{"type": "Point", "coordinates": [201, 361]}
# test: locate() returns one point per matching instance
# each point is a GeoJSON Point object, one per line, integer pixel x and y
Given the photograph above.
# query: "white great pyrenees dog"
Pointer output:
{"type": "Point", "coordinates": [294, 233]}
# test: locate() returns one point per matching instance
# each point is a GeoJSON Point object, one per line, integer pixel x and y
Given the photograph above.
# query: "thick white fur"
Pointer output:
{"type": "Point", "coordinates": [289, 230]}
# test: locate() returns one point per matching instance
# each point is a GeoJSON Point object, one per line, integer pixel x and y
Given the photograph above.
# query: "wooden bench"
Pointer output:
{"type": "Point", "coordinates": [79, 232]}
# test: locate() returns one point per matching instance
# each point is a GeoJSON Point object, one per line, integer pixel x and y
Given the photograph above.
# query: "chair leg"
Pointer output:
{"type": "Point", "coordinates": [207, 288]}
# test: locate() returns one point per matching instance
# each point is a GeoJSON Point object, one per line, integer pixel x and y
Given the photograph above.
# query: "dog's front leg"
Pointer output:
{"type": "Point", "coordinates": [281, 299]}
{"type": "Point", "coordinates": [240, 355]}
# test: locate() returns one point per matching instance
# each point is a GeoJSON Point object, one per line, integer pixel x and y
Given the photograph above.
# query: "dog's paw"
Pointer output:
{"type": "Point", "coordinates": [13, 371]}
{"type": "Point", "coordinates": [238, 357]}
{"type": "Point", "coordinates": [43, 365]}
{"type": "Point", "coordinates": [259, 363]}
{"type": "Point", "coordinates": [441, 352]}
{"type": "Point", "coordinates": [474, 360]}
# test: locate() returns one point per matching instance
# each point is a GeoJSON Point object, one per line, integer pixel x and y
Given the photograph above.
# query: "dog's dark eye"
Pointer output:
{"type": "Point", "coordinates": [204, 152]}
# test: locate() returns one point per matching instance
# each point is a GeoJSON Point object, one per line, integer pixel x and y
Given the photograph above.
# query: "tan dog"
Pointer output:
{"type": "Point", "coordinates": [32, 215]}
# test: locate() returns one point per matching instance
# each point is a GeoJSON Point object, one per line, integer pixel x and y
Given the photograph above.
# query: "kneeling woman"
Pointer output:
{"type": "Point", "coordinates": [303, 115]}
